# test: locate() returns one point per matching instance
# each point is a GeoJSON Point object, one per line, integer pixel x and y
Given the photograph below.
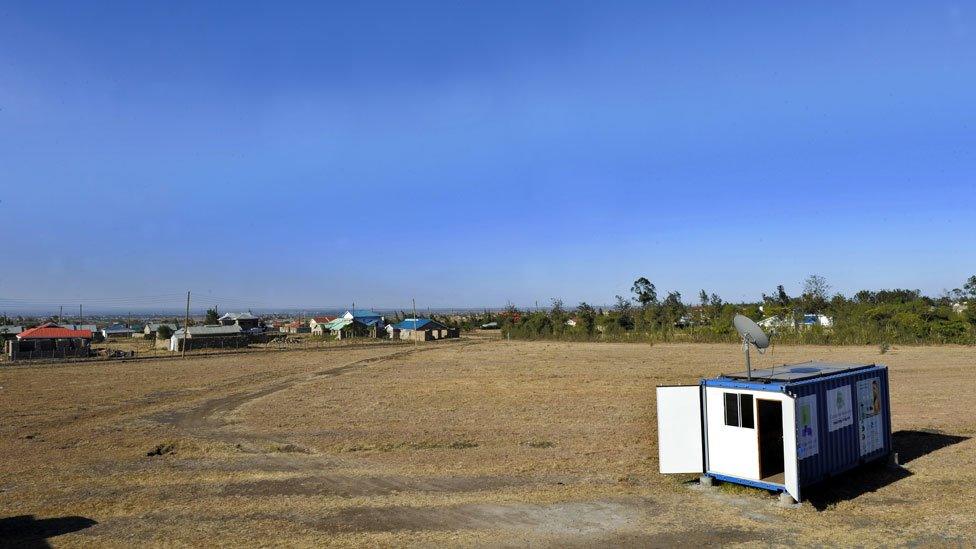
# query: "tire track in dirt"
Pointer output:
{"type": "Point", "coordinates": [204, 419]}
{"type": "Point", "coordinates": [575, 518]}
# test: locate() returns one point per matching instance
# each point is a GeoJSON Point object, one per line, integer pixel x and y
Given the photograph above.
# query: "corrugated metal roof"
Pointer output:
{"type": "Point", "coordinates": [210, 330]}
{"type": "Point", "coordinates": [416, 324]}
{"type": "Point", "coordinates": [336, 324]}
{"type": "Point", "coordinates": [796, 372]}
{"type": "Point", "coordinates": [10, 329]}
{"type": "Point", "coordinates": [116, 328]}
{"type": "Point", "coordinates": [323, 319]}
{"type": "Point", "coordinates": [89, 327]}
{"type": "Point", "coordinates": [236, 316]}
{"type": "Point", "coordinates": [53, 332]}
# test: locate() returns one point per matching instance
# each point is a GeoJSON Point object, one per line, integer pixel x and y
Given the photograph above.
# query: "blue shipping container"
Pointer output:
{"type": "Point", "coordinates": [781, 429]}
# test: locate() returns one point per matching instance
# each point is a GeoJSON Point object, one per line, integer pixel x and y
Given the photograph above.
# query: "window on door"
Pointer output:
{"type": "Point", "coordinates": [738, 410]}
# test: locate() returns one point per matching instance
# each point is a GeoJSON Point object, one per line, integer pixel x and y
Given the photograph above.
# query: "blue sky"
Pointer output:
{"type": "Point", "coordinates": [473, 153]}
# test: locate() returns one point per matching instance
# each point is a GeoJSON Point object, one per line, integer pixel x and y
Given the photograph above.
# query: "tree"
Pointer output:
{"type": "Point", "coordinates": [674, 309]}
{"type": "Point", "coordinates": [781, 297]}
{"type": "Point", "coordinates": [587, 316]}
{"type": "Point", "coordinates": [815, 290]}
{"type": "Point", "coordinates": [164, 332]}
{"type": "Point", "coordinates": [212, 317]}
{"type": "Point", "coordinates": [703, 311]}
{"type": "Point", "coordinates": [557, 310]}
{"type": "Point", "coordinates": [970, 287]}
{"type": "Point", "coordinates": [644, 292]}
{"type": "Point", "coordinates": [625, 317]}
{"type": "Point", "coordinates": [815, 286]}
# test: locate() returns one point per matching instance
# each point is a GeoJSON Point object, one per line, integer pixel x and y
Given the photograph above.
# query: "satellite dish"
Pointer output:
{"type": "Point", "coordinates": [750, 333]}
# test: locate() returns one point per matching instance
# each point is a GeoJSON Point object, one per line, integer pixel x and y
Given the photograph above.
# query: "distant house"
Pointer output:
{"type": "Point", "coordinates": [9, 331]}
{"type": "Point", "coordinates": [295, 327]}
{"type": "Point", "coordinates": [775, 323]}
{"type": "Point", "coordinates": [245, 320]}
{"type": "Point", "coordinates": [90, 327]}
{"type": "Point", "coordinates": [422, 329]}
{"type": "Point", "coordinates": [154, 327]}
{"type": "Point", "coordinates": [116, 331]}
{"type": "Point", "coordinates": [364, 316]}
{"type": "Point", "coordinates": [355, 323]}
{"type": "Point", "coordinates": [315, 321]}
{"type": "Point", "coordinates": [322, 326]}
{"type": "Point", "coordinates": [571, 322]}
{"type": "Point", "coordinates": [49, 341]}
{"type": "Point", "coordinates": [810, 320]}
{"type": "Point", "coordinates": [202, 337]}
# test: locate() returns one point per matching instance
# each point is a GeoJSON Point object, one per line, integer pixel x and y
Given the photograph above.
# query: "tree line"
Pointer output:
{"type": "Point", "coordinates": [868, 317]}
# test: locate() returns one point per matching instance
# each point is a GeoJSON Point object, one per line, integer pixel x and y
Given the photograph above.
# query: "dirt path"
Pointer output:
{"type": "Point", "coordinates": [207, 418]}
{"type": "Point", "coordinates": [321, 476]}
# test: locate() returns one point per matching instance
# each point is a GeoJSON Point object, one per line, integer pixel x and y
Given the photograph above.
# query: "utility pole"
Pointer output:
{"type": "Point", "coordinates": [186, 324]}
{"type": "Point", "coordinates": [81, 315]}
{"type": "Point", "coordinates": [60, 314]}
{"type": "Point", "coordinates": [414, 320]}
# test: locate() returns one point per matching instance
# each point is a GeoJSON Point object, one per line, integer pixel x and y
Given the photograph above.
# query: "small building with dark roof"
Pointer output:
{"type": "Point", "coordinates": [203, 337]}
{"type": "Point", "coordinates": [421, 329]}
{"type": "Point", "coordinates": [245, 320]}
{"type": "Point", "coordinates": [117, 330]}
{"type": "Point", "coordinates": [8, 331]}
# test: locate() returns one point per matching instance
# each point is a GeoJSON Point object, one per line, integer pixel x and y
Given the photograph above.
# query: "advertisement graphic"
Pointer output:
{"type": "Point", "coordinates": [807, 443]}
{"type": "Point", "coordinates": [869, 415]}
{"type": "Point", "coordinates": [840, 408]}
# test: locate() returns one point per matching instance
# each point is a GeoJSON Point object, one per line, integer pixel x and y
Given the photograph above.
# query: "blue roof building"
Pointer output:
{"type": "Point", "coordinates": [368, 318]}
{"type": "Point", "coordinates": [418, 324]}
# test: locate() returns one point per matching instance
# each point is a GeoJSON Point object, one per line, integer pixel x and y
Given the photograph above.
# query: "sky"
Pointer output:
{"type": "Point", "coordinates": [469, 154]}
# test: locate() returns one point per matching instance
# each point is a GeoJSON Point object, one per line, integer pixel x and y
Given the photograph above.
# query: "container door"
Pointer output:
{"type": "Point", "coordinates": [791, 471]}
{"type": "Point", "coordinates": [679, 429]}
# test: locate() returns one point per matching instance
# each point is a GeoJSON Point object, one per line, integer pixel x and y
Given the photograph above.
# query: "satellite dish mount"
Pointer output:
{"type": "Point", "coordinates": [751, 333]}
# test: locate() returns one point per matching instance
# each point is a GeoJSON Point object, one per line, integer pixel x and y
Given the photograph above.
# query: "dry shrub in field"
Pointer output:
{"type": "Point", "coordinates": [162, 449]}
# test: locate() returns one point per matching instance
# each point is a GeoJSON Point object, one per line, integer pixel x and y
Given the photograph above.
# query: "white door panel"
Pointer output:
{"type": "Point", "coordinates": [790, 461]}
{"type": "Point", "coordinates": [679, 429]}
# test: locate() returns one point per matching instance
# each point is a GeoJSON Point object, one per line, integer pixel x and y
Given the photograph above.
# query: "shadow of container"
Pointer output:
{"type": "Point", "coordinates": [27, 531]}
{"type": "Point", "coordinates": [909, 445]}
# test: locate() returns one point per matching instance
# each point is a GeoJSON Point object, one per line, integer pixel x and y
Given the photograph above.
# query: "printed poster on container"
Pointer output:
{"type": "Point", "coordinates": [840, 409]}
{"type": "Point", "coordinates": [807, 443]}
{"type": "Point", "coordinates": [869, 415]}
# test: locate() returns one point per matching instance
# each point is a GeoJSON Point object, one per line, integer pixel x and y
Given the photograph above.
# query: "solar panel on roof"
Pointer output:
{"type": "Point", "coordinates": [797, 372]}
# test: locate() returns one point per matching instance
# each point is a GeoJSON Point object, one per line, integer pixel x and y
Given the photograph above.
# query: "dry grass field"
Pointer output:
{"type": "Point", "coordinates": [471, 442]}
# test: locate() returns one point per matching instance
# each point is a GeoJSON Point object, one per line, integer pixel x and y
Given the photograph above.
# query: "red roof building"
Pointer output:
{"type": "Point", "coordinates": [53, 331]}
{"type": "Point", "coordinates": [323, 319]}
